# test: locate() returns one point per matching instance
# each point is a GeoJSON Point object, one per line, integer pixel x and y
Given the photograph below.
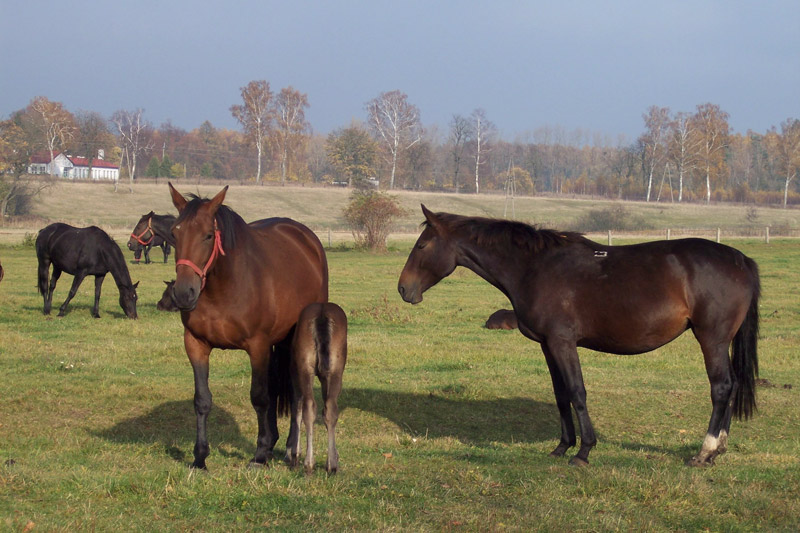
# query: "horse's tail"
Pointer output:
{"type": "Point", "coordinates": [280, 379]}
{"type": "Point", "coordinates": [745, 353]}
{"type": "Point", "coordinates": [322, 342]}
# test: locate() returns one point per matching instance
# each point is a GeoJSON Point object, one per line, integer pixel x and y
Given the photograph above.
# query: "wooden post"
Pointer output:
{"type": "Point", "coordinates": [609, 237]}
{"type": "Point", "coordinates": [668, 233]}
{"type": "Point", "coordinates": [718, 234]}
{"type": "Point", "coordinates": [766, 235]}
{"type": "Point", "coordinates": [329, 237]}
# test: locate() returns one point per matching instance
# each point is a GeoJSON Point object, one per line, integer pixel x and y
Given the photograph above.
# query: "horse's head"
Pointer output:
{"type": "Point", "coordinates": [432, 259]}
{"type": "Point", "coordinates": [167, 302]}
{"type": "Point", "coordinates": [142, 234]}
{"type": "Point", "coordinates": [127, 300]}
{"type": "Point", "coordinates": [197, 244]}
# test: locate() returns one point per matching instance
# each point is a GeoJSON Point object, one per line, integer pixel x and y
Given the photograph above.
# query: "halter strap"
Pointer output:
{"type": "Point", "coordinates": [148, 228]}
{"type": "Point", "coordinates": [215, 252]}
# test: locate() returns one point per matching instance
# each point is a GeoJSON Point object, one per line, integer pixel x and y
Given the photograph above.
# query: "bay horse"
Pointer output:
{"type": "Point", "coordinates": [568, 291]}
{"type": "Point", "coordinates": [502, 319]}
{"type": "Point", "coordinates": [82, 252]}
{"type": "Point", "coordinates": [151, 230]}
{"type": "Point", "coordinates": [243, 286]}
{"type": "Point", "coordinates": [319, 348]}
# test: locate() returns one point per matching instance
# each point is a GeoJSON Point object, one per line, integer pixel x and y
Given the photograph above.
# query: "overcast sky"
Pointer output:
{"type": "Point", "coordinates": [593, 65]}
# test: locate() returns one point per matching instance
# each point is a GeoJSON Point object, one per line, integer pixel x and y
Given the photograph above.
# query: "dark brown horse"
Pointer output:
{"type": "Point", "coordinates": [568, 291]}
{"type": "Point", "coordinates": [82, 252]}
{"type": "Point", "coordinates": [502, 319]}
{"type": "Point", "coordinates": [151, 230]}
{"type": "Point", "coordinates": [242, 286]}
{"type": "Point", "coordinates": [319, 349]}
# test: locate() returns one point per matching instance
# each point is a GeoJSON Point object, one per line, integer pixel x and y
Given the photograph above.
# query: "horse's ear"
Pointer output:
{"type": "Point", "coordinates": [177, 198]}
{"type": "Point", "coordinates": [431, 218]}
{"type": "Point", "coordinates": [166, 283]}
{"type": "Point", "coordinates": [215, 202]}
{"type": "Point", "coordinates": [135, 285]}
{"type": "Point", "coordinates": [151, 213]}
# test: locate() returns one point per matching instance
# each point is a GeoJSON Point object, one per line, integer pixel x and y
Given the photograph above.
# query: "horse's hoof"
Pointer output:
{"type": "Point", "coordinates": [199, 465]}
{"type": "Point", "coordinates": [696, 462]}
{"type": "Point", "coordinates": [257, 464]}
{"type": "Point", "coordinates": [577, 461]}
{"type": "Point", "coordinates": [560, 450]}
{"type": "Point", "coordinates": [332, 471]}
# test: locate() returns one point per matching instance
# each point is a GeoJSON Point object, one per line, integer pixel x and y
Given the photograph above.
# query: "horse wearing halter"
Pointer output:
{"type": "Point", "coordinates": [215, 252]}
{"type": "Point", "coordinates": [145, 230]}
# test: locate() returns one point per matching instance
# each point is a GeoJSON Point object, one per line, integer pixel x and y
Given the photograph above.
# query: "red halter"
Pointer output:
{"type": "Point", "coordinates": [216, 251]}
{"type": "Point", "coordinates": [148, 228]}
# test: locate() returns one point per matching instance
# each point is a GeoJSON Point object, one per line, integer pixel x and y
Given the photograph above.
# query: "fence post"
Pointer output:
{"type": "Point", "coordinates": [718, 234]}
{"type": "Point", "coordinates": [329, 237]}
{"type": "Point", "coordinates": [609, 237]}
{"type": "Point", "coordinates": [766, 235]}
{"type": "Point", "coordinates": [668, 231]}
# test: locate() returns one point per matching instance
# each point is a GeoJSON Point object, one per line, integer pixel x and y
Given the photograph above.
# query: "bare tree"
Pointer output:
{"type": "Point", "coordinates": [459, 135]}
{"type": "Point", "coordinates": [656, 122]}
{"type": "Point", "coordinates": [56, 123]}
{"type": "Point", "coordinates": [292, 128]}
{"type": "Point", "coordinates": [256, 116]}
{"type": "Point", "coordinates": [481, 131]}
{"type": "Point", "coordinates": [711, 124]}
{"type": "Point", "coordinates": [786, 147]}
{"type": "Point", "coordinates": [132, 130]}
{"type": "Point", "coordinates": [396, 123]}
{"type": "Point", "coordinates": [93, 136]}
{"type": "Point", "coordinates": [683, 147]}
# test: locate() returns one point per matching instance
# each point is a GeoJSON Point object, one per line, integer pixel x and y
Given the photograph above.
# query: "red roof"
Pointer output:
{"type": "Point", "coordinates": [44, 158]}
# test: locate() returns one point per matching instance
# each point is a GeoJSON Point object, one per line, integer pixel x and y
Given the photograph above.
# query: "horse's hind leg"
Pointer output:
{"type": "Point", "coordinates": [44, 273]}
{"type": "Point", "coordinates": [331, 387]}
{"type": "Point", "coordinates": [76, 282]}
{"type": "Point", "coordinates": [723, 385]}
{"type": "Point", "coordinates": [98, 285]}
{"type": "Point", "coordinates": [309, 409]}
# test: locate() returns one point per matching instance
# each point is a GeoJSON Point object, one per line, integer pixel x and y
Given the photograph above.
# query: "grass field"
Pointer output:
{"type": "Point", "coordinates": [444, 426]}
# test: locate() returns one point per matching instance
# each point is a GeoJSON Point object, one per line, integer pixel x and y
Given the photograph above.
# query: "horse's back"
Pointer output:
{"type": "Point", "coordinates": [71, 248]}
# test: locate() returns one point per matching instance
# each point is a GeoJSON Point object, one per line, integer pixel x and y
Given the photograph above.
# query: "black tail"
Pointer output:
{"type": "Point", "coordinates": [745, 354]}
{"type": "Point", "coordinates": [280, 380]}
{"type": "Point", "coordinates": [322, 343]}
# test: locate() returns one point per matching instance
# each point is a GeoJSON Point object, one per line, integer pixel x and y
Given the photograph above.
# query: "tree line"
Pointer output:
{"type": "Point", "coordinates": [680, 156]}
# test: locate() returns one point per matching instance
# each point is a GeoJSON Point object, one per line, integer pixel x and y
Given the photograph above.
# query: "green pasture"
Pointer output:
{"type": "Point", "coordinates": [444, 425]}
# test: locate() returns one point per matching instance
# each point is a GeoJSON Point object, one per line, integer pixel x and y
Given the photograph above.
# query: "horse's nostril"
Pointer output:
{"type": "Point", "coordinates": [402, 291]}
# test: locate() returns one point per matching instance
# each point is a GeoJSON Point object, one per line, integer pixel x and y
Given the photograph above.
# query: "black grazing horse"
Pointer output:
{"type": "Point", "coordinates": [151, 230]}
{"type": "Point", "coordinates": [82, 252]}
{"type": "Point", "coordinates": [568, 291]}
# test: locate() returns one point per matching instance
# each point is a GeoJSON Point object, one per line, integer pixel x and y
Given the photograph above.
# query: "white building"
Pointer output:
{"type": "Point", "coordinates": [73, 167]}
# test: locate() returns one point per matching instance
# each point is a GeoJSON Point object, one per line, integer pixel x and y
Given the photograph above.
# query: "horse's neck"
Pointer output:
{"type": "Point", "coordinates": [494, 264]}
{"type": "Point", "coordinates": [118, 269]}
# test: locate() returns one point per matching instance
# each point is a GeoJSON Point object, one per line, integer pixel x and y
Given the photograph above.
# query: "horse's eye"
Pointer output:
{"type": "Point", "coordinates": [422, 245]}
{"type": "Point", "coordinates": [209, 236]}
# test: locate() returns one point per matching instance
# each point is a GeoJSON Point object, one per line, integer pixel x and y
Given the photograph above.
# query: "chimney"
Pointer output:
{"type": "Point", "coordinates": [101, 154]}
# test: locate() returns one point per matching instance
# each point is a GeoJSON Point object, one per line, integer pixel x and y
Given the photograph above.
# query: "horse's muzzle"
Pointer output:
{"type": "Point", "coordinates": [411, 295]}
{"type": "Point", "coordinates": [185, 293]}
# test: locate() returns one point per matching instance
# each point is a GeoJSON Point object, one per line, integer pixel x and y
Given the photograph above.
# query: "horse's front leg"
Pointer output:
{"type": "Point", "coordinates": [563, 403]}
{"type": "Point", "coordinates": [147, 255]}
{"type": "Point", "coordinates": [198, 352]}
{"type": "Point", "coordinates": [565, 357]}
{"type": "Point", "coordinates": [260, 398]}
{"type": "Point", "coordinates": [98, 285]}
{"type": "Point", "coordinates": [76, 282]}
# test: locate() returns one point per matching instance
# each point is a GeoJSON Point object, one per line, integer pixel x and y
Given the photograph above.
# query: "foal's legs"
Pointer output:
{"type": "Point", "coordinates": [98, 284]}
{"type": "Point", "coordinates": [76, 282]}
{"type": "Point", "coordinates": [723, 386]}
{"type": "Point", "coordinates": [565, 358]}
{"type": "Point", "coordinates": [331, 387]}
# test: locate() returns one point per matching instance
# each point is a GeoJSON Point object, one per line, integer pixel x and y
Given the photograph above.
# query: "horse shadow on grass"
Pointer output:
{"type": "Point", "coordinates": [171, 425]}
{"type": "Point", "coordinates": [470, 421]}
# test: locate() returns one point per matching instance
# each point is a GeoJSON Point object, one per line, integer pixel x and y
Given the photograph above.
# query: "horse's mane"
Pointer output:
{"type": "Point", "coordinates": [227, 219]}
{"type": "Point", "coordinates": [493, 232]}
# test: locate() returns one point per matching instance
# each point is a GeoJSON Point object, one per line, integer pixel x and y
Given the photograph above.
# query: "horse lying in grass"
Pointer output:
{"type": "Point", "coordinates": [568, 291]}
{"type": "Point", "coordinates": [82, 252]}
{"type": "Point", "coordinates": [319, 349]}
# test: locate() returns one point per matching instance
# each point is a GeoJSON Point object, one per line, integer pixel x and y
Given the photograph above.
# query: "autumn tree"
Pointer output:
{"type": "Point", "coordinates": [16, 151]}
{"type": "Point", "coordinates": [92, 136]}
{"type": "Point", "coordinates": [481, 131]}
{"type": "Point", "coordinates": [55, 125]}
{"type": "Point", "coordinates": [786, 149]}
{"type": "Point", "coordinates": [135, 138]}
{"type": "Point", "coordinates": [371, 215]}
{"type": "Point", "coordinates": [711, 125]}
{"type": "Point", "coordinates": [256, 115]}
{"type": "Point", "coordinates": [395, 122]}
{"type": "Point", "coordinates": [656, 122]}
{"type": "Point", "coordinates": [458, 137]}
{"type": "Point", "coordinates": [352, 152]}
{"type": "Point", "coordinates": [291, 127]}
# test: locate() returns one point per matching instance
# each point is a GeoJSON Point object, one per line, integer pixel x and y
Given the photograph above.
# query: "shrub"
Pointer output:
{"type": "Point", "coordinates": [616, 217]}
{"type": "Point", "coordinates": [370, 215]}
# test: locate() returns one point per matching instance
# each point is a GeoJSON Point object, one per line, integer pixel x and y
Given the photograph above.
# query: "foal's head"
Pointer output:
{"type": "Point", "coordinates": [197, 245]}
{"type": "Point", "coordinates": [432, 259]}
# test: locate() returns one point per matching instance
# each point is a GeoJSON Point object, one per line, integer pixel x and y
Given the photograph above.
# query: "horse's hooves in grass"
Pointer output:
{"type": "Point", "coordinates": [199, 466]}
{"type": "Point", "coordinates": [696, 462]}
{"type": "Point", "coordinates": [257, 464]}
{"type": "Point", "coordinates": [577, 461]}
